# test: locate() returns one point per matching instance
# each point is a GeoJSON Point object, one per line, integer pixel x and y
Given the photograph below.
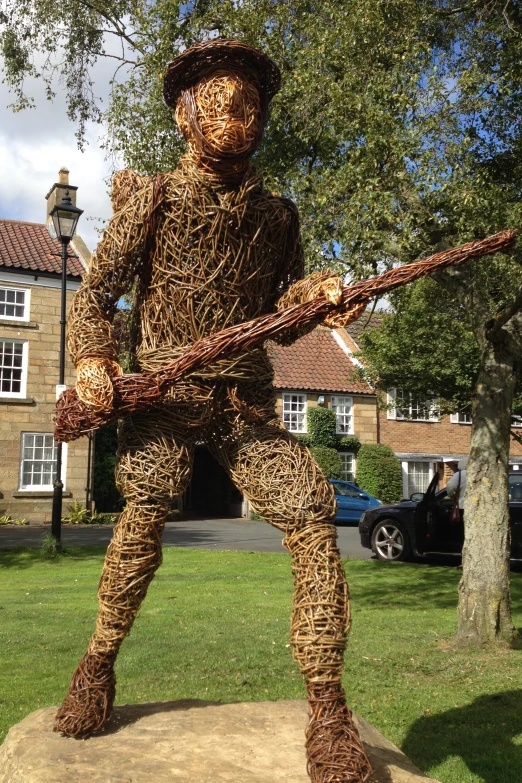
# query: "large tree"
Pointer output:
{"type": "Point", "coordinates": [460, 342]}
{"type": "Point", "coordinates": [397, 131]}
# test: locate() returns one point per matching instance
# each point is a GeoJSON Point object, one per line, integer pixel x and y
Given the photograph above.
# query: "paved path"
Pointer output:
{"type": "Point", "coordinates": [231, 534]}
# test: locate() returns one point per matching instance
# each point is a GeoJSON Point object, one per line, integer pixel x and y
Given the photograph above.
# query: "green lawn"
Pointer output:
{"type": "Point", "coordinates": [215, 626]}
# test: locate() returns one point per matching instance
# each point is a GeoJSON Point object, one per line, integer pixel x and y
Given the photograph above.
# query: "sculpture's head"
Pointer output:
{"type": "Point", "coordinates": [220, 117]}
{"type": "Point", "coordinates": [220, 91]}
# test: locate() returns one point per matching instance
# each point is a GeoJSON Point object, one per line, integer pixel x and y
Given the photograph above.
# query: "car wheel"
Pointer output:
{"type": "Point", "coordinates": [390, 541]}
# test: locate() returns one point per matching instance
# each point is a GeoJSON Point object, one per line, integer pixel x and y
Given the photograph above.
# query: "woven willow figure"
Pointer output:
{"type": "Point", "coordinates": [207, 247]}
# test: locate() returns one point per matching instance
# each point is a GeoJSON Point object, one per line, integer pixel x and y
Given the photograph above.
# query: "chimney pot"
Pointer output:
{"type": "Point", "coordinates": [63, 176]}
{"type": "Point", "coordinates": [56, 194]}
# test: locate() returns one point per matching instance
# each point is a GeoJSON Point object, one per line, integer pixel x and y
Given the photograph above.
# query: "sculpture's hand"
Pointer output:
{"type": "Point", "coordinates": [331, 288]}
{"type": "Point", "coordinates": [94, 382]}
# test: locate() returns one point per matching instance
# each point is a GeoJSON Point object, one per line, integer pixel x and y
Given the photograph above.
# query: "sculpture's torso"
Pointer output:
{"type": "Point", "coordinates": [220, 257]}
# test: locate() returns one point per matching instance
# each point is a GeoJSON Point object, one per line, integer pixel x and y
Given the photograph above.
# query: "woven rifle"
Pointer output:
{"type": "Point", "coordinates": [137, 392]}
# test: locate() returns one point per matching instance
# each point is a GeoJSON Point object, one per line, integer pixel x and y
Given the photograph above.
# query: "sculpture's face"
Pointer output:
{"type": "Point", "coordinates": [221, 116]}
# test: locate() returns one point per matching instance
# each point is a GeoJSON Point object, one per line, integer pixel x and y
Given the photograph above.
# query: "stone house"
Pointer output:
{"type": "Point", "coordinates": [30, 293]}
{"type": "Point", "coordinates": [319, 369]}
{"type": "Point", "coordinates": [423, 440]}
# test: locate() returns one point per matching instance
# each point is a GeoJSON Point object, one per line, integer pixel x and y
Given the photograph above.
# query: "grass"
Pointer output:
{"type": "Point", "coordinates": [215, 626]}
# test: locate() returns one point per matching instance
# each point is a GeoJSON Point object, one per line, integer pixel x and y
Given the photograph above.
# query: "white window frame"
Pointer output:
{"type": "Point", "coordinates": [405, 474]}
{"type": "Point", "coordinates": [461, 417]}
{"type": "Point", "coordinates": [27, 303]}
{"type": "Point", "coordinates": [396, 413]}
{"type": "Point", "coordinates": [347, 454]}
{"type": "Point", "coordinates": [23, 381]}
{"type": "Point", "coordinates": [40, 487]}
{"type": "Point", "coordinates": [342, 401]}
{"type": "Point", "coordinates": [288, 412]}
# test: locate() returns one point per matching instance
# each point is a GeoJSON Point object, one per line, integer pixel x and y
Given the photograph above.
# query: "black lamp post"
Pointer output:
{"type": "Point", "coordinates": [65, 219]}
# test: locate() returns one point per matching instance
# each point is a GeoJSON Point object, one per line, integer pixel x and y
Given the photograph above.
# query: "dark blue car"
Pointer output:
{"type": "Point", "coordinates": [352, 502]}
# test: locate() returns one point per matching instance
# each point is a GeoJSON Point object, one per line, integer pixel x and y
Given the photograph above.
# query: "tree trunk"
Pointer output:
{"type": "Point", "coordinates": [484, 611]}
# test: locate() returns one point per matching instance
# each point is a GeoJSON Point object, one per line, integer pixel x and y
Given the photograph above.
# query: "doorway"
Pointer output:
{"type": "Point", "coordinates": [211, 492]}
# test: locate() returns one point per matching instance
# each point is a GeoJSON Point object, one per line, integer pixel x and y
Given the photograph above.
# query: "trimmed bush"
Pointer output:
{"type": "Point", "coordinates": [328, 460]}
{"type": "Point", "coordinates": [349, 443]}
{"type": "Point", "coordinates": [379, 472]}
{"type": "Point", "coordinates": [304, 439]}
{"type": "Point", "coordinates": [321, 427]}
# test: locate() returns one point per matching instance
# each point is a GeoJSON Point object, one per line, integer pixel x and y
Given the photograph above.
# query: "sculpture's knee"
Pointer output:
{"type": "Point", "coordinates": [156, 475]}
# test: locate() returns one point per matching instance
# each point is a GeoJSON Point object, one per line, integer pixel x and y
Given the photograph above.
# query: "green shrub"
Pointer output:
{"type": "Point", "coordinates": [103, 518]}
{"type": "Point", "coordinates": [349, 443]}
{"type": "Point", "coordinates": [304, 439]}
{"type": "Point", "coordinates": [321, 428]}
{"type": "Point", "coordinates": [328, 460]}
{"type": "Point", "coordinates": [50, 547]}
{"type": "Point", "coordinates": [77, 514]}
{"type": "Point", "coordinates": [379, 472]}
{"type": "Point", "coordinates": [5, 519]}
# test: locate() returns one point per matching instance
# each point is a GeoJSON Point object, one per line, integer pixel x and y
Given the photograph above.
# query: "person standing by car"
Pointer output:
{"type": "Point", "coordinates": [456, 488]}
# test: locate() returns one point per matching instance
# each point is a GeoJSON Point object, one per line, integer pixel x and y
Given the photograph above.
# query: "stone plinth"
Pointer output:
{"type": "Point", "coordinates": [192, 741]}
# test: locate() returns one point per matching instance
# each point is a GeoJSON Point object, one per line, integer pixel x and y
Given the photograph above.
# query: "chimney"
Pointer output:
{"type": "Point", "coordinates": [56, 195]}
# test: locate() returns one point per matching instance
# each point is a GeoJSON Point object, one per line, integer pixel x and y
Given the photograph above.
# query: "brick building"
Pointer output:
{"type": "Point", "coordinates": [423, 440]}
{"type": "Point", "coordinates": [30, 291]}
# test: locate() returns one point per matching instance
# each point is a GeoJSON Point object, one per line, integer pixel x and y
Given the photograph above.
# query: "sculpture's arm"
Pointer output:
{"type": "Point", "coordinates": [111, 274]}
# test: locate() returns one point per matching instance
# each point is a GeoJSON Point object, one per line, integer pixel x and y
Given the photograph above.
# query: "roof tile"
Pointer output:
{"type": "Point", "coordinates": [30, 246]}
{"type": "Point", "coordinates": [315, 362]}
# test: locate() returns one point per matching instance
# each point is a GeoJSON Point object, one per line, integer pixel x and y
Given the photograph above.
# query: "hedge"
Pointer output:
{"type": "Point", "coordinates": [379, 472]}
{"type": "Point", "coordinates": [321, 427]}
{"type": "Point", "coordinates": [328, 460]}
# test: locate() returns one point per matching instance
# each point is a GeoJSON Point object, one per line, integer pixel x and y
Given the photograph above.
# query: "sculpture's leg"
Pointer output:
{"type": "Point", "coordinates": [285, 486]}
{"type": "Point", "coordinates": [154, 466]}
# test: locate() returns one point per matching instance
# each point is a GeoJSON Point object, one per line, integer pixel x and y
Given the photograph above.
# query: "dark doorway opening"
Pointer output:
{"type": "Point", "coordinates": [211, 493]}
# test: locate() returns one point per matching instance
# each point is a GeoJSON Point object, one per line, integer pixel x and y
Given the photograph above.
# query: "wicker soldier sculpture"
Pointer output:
{"type": "Point", "coordinates": [205, 247]}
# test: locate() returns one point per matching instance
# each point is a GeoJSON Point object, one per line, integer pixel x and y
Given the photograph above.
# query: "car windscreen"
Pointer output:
{"type": "Point", "coordinates": [346, 490]}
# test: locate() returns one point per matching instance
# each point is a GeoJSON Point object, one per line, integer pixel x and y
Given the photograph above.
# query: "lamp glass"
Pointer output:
{"type": "Point", "coordinates": [64, 222]}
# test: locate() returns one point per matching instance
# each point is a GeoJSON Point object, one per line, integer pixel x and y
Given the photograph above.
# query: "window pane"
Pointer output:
{"type": "Point", "coordinates": [38, 460]}
{"type": "Point", "coordinates": [348, 465]}
{"type": "Point", "coordinates": [294, 412]}
{"type": "Point", "coordinates": [342, 407]}
{"type": "Point", "coordinates": [12, 303]}
{"type": "Point", "coordinates": [418, 477]}
{"type": "Point", "coordinates": [11, 359]}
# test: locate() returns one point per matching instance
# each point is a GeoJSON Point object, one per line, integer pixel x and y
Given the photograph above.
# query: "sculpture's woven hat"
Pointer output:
{"type": "Point", "coordinates": [188, 68]}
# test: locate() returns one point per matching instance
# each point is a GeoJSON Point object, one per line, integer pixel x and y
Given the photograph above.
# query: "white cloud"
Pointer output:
{"type": "Point", "coordinates": [29, 167]}
{"type": "Point", "coordinates": [36, 143]}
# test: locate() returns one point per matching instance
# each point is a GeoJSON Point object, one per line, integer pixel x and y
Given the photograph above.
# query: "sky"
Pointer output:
{"type": "Point", "coordinates": [36, 143]}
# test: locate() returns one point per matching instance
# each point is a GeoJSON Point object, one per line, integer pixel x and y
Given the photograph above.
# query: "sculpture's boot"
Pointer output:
{"type": "Point", "coordinates": [132, 559]}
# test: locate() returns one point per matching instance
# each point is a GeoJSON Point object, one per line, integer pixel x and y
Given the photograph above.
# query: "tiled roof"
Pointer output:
{"type": "Point", "coordinates": [367, 321]}
{"type": "Point", "coordinates": [315, 362]}
{"type": "Point", "coordinates": [30, 246]}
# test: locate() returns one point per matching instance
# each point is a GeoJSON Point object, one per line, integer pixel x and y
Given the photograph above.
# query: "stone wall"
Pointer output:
{"type": "Point", "coordinates": [34, 413]}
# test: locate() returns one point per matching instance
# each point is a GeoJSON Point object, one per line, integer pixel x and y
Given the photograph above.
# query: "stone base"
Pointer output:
{"type": "Point", "coordinates": [192, 741]}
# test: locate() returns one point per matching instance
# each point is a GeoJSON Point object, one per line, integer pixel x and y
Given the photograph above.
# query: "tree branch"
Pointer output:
{"type": "Point", "coordinates": [495, 324]}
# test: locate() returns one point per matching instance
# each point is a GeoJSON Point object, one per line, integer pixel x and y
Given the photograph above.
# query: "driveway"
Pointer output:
{"type": "Point", "coordinates": [229, 534]}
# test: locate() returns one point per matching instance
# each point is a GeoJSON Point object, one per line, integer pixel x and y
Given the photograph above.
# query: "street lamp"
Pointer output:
{"type": "Point", "coordinates": [65, 219]}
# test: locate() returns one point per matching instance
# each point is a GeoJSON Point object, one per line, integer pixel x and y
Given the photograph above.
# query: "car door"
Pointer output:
{"type": "Point", "coordinates": [351, 501]}
{"type": "Point", "coordinates": [515, 514]}
{"type": "Point", "coordinates": [423, 521]}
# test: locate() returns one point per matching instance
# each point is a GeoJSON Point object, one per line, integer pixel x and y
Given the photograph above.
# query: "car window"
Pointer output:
{"type": "Point", "coordinates": [345, 490]}
{"type": "Point", "coordinates": [515, 487]}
